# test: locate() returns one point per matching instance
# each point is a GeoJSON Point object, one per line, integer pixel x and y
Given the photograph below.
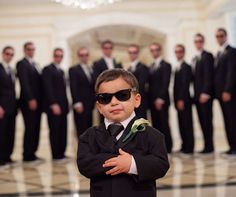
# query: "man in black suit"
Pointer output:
{"type": "Point", "coordinates": [56, 105]}
{"type": "Point", "coordinates": [203, 67]}
{"type": "Point", "coordinates": [225, 86]}
{"type": "Point", "coordinates": [107, 61]}
{"type": "Point", "coordinates": [140, 71]}
{"type": "Point", "coordinates": [8, 107]}
{"type": "Point", "coordinates": [182, 99]}
{"type": "Point", "coordinates": [159, 79]}
{"type": "Point", "coordinates": [82, 91]}
{"type": "Point", "coordinates": [30, 101]}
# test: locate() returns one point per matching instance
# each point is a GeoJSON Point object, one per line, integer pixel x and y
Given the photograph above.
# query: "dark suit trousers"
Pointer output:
{"type": "Point", "coordinates": [205, 118]}
{"type": "Point", "coordinates": [57, 134]}
{"type": "Point", "coordinates": [32, 131]}
{"type": "Point", "coordinates": [185, 121]}
{"type": "Point", "coordinates": [7, 136]}
{"type": "Point", "coordinates": [82, 121]}
{"type": "Point", "coordinates": [229, 110]}
{"type": "Point", "coordinates": [160, 121]}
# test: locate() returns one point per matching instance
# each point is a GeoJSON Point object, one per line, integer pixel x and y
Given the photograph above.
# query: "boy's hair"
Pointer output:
{"type": "Point", "coordinates": [113, 74]}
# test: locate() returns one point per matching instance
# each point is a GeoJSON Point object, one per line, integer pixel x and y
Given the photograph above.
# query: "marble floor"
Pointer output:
{"type": "Point", "coordinates": [195, 176]}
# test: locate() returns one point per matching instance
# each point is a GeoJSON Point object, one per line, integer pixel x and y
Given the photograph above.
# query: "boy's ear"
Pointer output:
{"type": "Point", "coordinates": [137, 100]}
{"type": "Point", "coordinates": [98, 106]}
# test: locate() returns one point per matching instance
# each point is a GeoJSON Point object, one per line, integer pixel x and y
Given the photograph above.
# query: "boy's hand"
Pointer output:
{"type": "Point", "coordinates": [120, 164]}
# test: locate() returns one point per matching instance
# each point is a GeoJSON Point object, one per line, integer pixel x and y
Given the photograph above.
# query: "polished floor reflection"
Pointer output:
{"type": "Point", "coordinates": [195, 176]}
{"type": "Point", "coordinates": [213, 175]}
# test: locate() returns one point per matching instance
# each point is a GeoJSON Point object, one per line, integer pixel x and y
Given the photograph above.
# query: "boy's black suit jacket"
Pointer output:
{"type": "Point", "coordinates": [7, 92]}
{"type": "Point", "coordinates": [225, 70]}
{"type": "Point", "coordinates": [54, 88]}
{"type": "Point", "coordinates": [149, 152]}
{"type": "Point", "coordinates": [100, 66]}
{"type": "Point", "coordinates": [159, 80]}
{"type": "Point", "coordinates": [182, 82]}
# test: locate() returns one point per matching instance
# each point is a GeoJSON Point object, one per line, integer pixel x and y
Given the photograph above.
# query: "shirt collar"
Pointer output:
{"type": "Point", "coordinates": [158, 61]}
{"type": "Point", "coordinates": [5, 65]}
{"type": "Point", "coordinates": [199, 53]}
{"type": "Point", "coordinates": [124, 123]}
{"type": "Point", "coordinates": [29, 59]}
{"type": "Point", "coordinates": [223, 47]}
{"type": "Point", "coordinates": [108, 59]}
{"type": "Point", "coordinates": [134, 63]}
{"type": "Point", "coordinates": [179, 63]}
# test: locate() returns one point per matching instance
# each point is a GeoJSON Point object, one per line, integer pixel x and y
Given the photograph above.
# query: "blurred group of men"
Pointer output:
{"type": "Point", "coordinates": [45, 91]}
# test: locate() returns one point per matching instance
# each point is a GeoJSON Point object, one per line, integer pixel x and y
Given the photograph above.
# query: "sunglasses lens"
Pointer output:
{"type": "Point", "coordinates": [103, 98]}
{"type": "Point", "coordinates": [123, 95]}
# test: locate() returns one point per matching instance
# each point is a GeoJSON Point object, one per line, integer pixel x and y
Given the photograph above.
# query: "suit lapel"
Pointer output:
{"type": "Point", "coordinates": [126, 131]}
{"type": "Point", "coordinates": [104, 139]}
{"type": "Point", "coordinates": [81, 70]}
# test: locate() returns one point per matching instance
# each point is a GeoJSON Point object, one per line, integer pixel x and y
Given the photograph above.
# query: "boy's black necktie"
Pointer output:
{"type": "Point", "coordinates": [115, 129]}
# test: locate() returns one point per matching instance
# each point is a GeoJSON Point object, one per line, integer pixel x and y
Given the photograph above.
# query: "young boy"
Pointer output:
{"type": "Point", "coordinates": [117, 167]}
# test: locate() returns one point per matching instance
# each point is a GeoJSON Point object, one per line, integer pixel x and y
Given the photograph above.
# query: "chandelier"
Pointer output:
{"type": "Point", "coordinates": [85, 4]}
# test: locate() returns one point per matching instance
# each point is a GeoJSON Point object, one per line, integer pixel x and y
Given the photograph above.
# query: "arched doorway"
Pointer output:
{"type": "Point", "coordinates": [121, 35]}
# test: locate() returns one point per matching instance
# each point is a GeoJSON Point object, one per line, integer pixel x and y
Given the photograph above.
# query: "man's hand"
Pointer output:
{"type": "Point", "coordinates": [79, 109]}
{"type": "Point", "coordinates": [226, 97]}
{"type": "Point", "coordinates": [33, 105]}
{"type": "Point", "coordinates": [180, 105]}
{"type": "Point", "coordinates": [56, 109]}
{"type": "Point", "coordinates": [203, 98]}
{"type": "Point", "coordinates": [120, 164]}
{"type": "Point", "coordinates": [158, 104]}
{"type": "Point", "coordinates": [2, 113]}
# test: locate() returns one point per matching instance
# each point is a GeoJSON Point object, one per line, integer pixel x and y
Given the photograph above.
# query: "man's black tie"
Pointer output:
{"type": "Point", "coordinates": [115, 129]}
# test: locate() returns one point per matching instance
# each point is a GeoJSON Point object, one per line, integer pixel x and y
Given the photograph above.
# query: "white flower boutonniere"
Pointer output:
{"type": "Point", "coordinates": [139, 125]}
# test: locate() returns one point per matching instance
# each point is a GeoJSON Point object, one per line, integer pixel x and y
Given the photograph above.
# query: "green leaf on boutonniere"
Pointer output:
{"type": "Point", "coordinates": [139, 125]}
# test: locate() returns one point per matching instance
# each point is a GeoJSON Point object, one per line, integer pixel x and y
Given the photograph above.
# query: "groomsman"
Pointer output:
{"type": "Point", "coordinates": [225, 86]}
{"type": "Point", "coordinates": [159, 79]}
{"type": "Point", "coordinates": [56, 105]}
{"type": "Point", "coordinates": [107, 61]}
{"type": "Point", "coordinates": [30, 101]}
{"type": "Point", "coordinates": [82, 91]}
{"type": "Point", "coordinates": [140, 71]}
{"type": "Point", "coordinates": [203, 67]}
{"type": "Point", "coordinates": [182, 99]}
{"type": "Point", "coordinates": [8, 107]}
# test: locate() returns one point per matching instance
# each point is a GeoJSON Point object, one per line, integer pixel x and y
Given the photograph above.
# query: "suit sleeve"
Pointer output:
{"type": "Point", "coordinates": [231, 71]}
{"type": "Point", "coordinates": [74, 86]}
{"type": "Point", "coordinates": [96, 70]}
{"type": "Point", "coordinates": [22, 73]}
{"type": "Point", "coordinates": [165, 82]}
{"type": "Point", "coordinates": [155, 164]}
{"type": "Point", "coordinates": [143, 79]}
{"type": "Point", "coordinates": [89, 162]}
{"type": "Point", "coordinates": [47, 86]}
{"type": "Point", "coordinates": [186, 79]}
{"type": "Point", "coordinates": [208, 74]}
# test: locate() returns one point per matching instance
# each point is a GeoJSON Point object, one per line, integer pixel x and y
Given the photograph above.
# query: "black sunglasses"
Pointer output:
{"type": "Point", "coordinates": [122, 95]}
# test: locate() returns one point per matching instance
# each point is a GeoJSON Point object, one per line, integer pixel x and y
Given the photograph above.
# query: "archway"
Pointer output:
{"type": "Point", "coordinates": [121, 35]}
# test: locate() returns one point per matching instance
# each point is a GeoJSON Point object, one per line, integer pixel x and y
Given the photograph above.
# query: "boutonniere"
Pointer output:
{"type": "Point", "coordinates": [139, 125]}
